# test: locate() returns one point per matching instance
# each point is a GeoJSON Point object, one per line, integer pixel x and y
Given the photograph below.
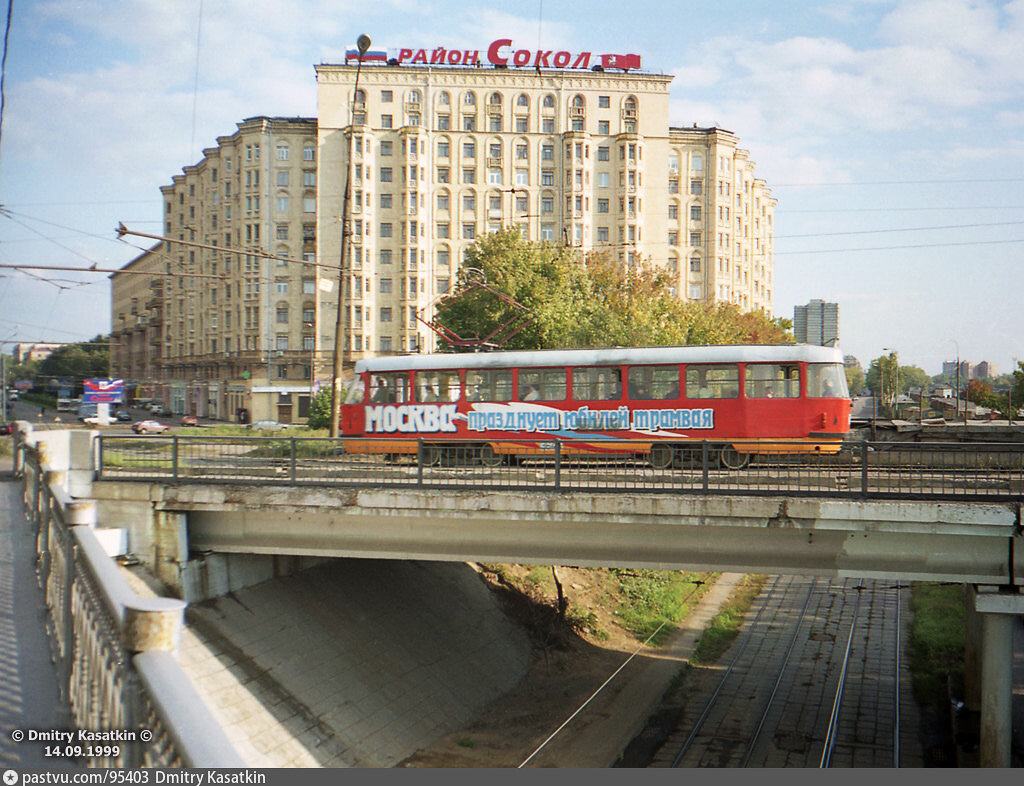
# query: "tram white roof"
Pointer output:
{"type": "Point", "coordinates": [609, 356]}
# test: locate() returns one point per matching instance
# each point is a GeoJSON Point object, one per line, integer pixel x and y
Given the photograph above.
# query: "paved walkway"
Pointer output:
{"type": "Point", "coordinates": [28, 678]}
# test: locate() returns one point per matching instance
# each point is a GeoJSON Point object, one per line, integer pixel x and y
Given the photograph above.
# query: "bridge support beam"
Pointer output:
{"type": "Point", "coordinates": [997, 609]}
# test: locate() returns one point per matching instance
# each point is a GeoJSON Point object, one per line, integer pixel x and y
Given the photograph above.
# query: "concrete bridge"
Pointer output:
{"type": "Point", "coordinates": [209, 538]}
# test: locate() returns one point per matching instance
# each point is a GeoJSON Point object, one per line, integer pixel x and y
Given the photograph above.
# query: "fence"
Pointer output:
{"type": "Point", "coordinates": [113, 648]}
{"type": "Point", "coordinates": [880, 470]}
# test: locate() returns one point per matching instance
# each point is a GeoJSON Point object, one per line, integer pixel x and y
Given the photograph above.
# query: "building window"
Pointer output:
{"type": "Point", "coordinates": [443, 175]}
{"type": "Point", "coordinates": [696, 187]}
{"type": "Point", "coordinates": [695, 264]}
{"type": "Point", "coordinates": [547, 204]}
{"type": "Point", "coordinates": [468, 231]}
{"type": "Point", "coordinates": [603, 102]}
{"type": "Point", "coordinates": [522, 177]}
{"type": "Point", "coordinates": [603, 127]}
{"type": "Point", "coordinates": [386, 96]}
{"type": "Point", "coordinates": [385, 343]}
{"type": "Point", "coordinates": [443, 149]}
{"type": "Point", "coordinates": [444, 123]}
{"type": "Point", "coordinates": [385, 148]}
{"type": "Point", "coordinates": [695, 238]}
{"type": "Point", "coordinates": [673, 238]}
{"type": "Point", "coordinates": [385, 121]}
{"type": "Point", "coordinates": [385, 174]}
{"type": "Point", "coordinates": [469, 122]}
{"type": "Point", "coordinates": [282, 231]}
{"type": "Point", "coordinates": [522, 125]}
{"type": "Point", "coordinates": [602, 179]}
{"type": "Point", "coordinates": [602, 234]}
{"type": "Point", "coordinates": [385, 201]}
{"type": "Point", "coordinates": [385, 286]}
{"type": "Point", "coordinates": [547, 178]}
{"type": "Point", "coordinates": [282, 315]}
{"type": "Point", "coordinates": [282, 152]}
{"type": "Point", "coordinates": [468, 175]}
{"type": "Point", "coordinates": [547, 125]}
{"type": "Point", "coordinates": [385, 229]}
{"type": "Point", "coordinates": [308, 153]}
{"type": "Point", "coordinates": [602, 205]}
{"type": "Point", "coordinates": [385, 314]}
{"type": "Point", "coordinates": [309, 204]}
{"type": "Point", "coordinates": [385, 256]}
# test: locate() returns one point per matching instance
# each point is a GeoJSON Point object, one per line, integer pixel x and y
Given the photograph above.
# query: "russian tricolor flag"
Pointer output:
{"type": "Point", "coordinates": [371, 56]}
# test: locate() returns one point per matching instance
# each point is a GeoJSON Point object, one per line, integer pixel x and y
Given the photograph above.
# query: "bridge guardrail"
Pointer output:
{"type": "Point", "coordinates": [111, 651]}
{"type": "Point", "coordinates": [941, 470]}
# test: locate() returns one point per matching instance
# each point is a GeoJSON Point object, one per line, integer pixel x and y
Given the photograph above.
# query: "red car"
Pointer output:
{"type": "Point", "coordinates": [190, 420]}
{"type": "Point", "coordinates": [149, 427]}
{"type": "Point", "coordinates": [6, 428]}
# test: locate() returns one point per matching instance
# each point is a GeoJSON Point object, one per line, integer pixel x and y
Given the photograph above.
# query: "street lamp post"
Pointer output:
{"type": "Point", "coordinates": [957, 391]}
{"type": "Point", "coordinates": [363, 45]}
{"type": "Point", "coordinates": [896, 383]}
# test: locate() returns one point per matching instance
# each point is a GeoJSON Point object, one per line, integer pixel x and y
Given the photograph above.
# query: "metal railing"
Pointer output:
{"type": "Point", "coordinates": [988, 472]}
{"type": "Point", "coordinates": [105, 673]}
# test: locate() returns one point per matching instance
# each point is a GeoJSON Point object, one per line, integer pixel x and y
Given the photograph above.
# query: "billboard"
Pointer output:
{"type": "Point", "coordinates": [103, 391]}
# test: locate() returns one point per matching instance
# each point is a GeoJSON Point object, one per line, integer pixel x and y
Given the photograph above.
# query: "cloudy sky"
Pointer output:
{"type": "Point", "coordinates": [891, 133]}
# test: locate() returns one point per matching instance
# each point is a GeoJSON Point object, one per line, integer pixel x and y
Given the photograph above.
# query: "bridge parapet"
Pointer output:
{"type": "Point", "coordinates": [114, 649]}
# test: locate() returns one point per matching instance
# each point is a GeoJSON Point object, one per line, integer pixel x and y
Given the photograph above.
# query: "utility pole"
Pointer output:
{"type": "Point", "coordinates": [363, 44]}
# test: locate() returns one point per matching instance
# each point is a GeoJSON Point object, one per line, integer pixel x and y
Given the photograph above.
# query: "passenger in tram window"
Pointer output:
{"type": "Point", "coordinates": [768, 392]}
{"type": "Point", "coordinates": [382, 393]}
{"type": "Point", "coordinates": [827, 390]}
{"type": "Point", "coordinates": [532, 394]}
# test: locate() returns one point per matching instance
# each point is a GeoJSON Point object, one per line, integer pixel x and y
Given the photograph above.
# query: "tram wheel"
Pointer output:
{"type": "Point", "coordinates": [730, 458]}
{"type": "Point", "coordinates": [430, 456]}
{"type": "Point", "coordinates": [488, 456]}
{"type": "Point", "coordinates": [661, 456]}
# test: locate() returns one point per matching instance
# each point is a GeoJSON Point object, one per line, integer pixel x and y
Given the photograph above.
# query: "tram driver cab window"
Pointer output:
{"type": "Point", "coordinates": [712, 381]}
{"type": "Point", "coordinates": [389, 388]}
{"type": "Point", "coordinates": [772, 380]}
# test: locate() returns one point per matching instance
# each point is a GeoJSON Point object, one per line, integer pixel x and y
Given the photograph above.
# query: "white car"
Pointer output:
{"type": "Point", "coordinates": [149, 427]}
{"type": "Point", "coordinates": [266, 425]}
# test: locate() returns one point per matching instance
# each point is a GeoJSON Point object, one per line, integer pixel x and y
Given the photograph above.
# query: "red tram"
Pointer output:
{"type": "Point", "coordinates": [652, 401]}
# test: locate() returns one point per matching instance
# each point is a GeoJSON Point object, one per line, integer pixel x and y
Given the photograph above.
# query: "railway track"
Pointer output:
{"type": "Point", "coordinates": [812, 681]}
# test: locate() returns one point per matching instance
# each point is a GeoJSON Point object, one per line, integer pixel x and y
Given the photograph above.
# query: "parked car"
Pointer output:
{"type": "Point", "coordinates": [90, 420]}
{"type": "Point", "coordinates": [150, 427]}
{"type": "Point", "coordinates": [123, 415]}
{"type": "Point", "coordinates": [157, 409]}
{"type": "Point", "coordinates": [266, 425]}
{"type": "Point", "coordinates": [190, 420]}
{"type": "Point", "coordinates": [6, 428]}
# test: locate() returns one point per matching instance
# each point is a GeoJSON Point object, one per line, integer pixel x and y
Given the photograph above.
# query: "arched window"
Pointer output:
{"type": "Point", "coordinates": [469, 98]}
{"type": "Point", "coordinates": [522, 100]}
{"type": "Point", "coordinates": [494, 99]}
{"type": "Point", "coordinates": [413, 97]}
{"type": "Point", "coordinates": [443, 98]}
{"type": "Point", "coordinates": [549, 101]}
{"type": "Point", "coordinates": [360, 96]}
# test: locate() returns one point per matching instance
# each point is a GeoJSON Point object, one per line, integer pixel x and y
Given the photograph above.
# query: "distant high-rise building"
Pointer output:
{"type": "Point", "coordinates": [817, 323]}
{"type": "Point", "coordinates": [985, 370]}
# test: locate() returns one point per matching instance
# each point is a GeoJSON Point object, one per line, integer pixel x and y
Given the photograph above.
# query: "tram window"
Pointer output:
{"type": "Point", "coordinates": [489, 385]}
{"type": "Point", "coordinates": [773, 380]}
{"type": "Point", "coordinates": [545, 384]}
{"type": "Point", "coordinates": [826, 380]}
{"type": "Point", "coordinates": [391, 388]}
{"type": "Point", "coordinates": [354, 391]}
{"type": "Point", "coordinates": [653, 382]}
{"type": "Point", "coordinates": [438, 386]}
{"type": "Point", "coordinates": [596, 383]}
{"type": "Point", "coordinates": [712, 381]}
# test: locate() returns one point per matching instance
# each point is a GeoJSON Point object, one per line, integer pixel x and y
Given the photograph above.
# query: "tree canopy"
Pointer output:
{"type": "Point", "coordinates": [586, 301]}
{"type": "Point", "coordinates": [86, 360]}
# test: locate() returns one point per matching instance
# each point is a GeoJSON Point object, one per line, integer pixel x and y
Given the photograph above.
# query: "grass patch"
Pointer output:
{"type": "Point", "coordinates": [650, 597]}
{"type": "Point", "coordinates": [725, 627]}
{"type": "Point", "coordinates": [937, 639]}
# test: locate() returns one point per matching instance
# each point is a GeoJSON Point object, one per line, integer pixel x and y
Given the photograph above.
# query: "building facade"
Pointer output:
{"type": "Point", "coordinates": [817, 323]}
{"type": "Point", "coordinates": [438, 156]}
{"type": "Point", "coordinates": [230, 316]}
{"type": "Point", "coordinates": [239, 316]}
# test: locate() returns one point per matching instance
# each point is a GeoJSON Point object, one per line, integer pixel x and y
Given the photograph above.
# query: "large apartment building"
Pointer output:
{"type": "Point", "coordinates": [435, 157]}
{"type": "Point", "coordinates": [440, 156]}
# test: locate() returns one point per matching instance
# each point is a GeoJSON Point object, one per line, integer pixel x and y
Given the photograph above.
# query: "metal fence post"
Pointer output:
{"type": "Point", "coordinates": [99, 457]}
{"type": "Point", "coordinates": [419, 461]}
{"type": "Point", "coordinates": [864, 453]}
{"type": "Point", "coordinates": [558, 464]}
{"type": "Point", "coordinates": [174, 457]}
{"type": "Point", "coordinates": [705, 460]}
{"type": "Point", "coordinates": [293, 469]}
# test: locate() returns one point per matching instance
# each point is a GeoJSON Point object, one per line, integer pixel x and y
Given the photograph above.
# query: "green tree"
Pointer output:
{"type": "Point", "coordinates": [590, 301]}
{"type": "Point", "coordinates": [854, 379]}
{"type": "Point", "coordinates": [320, 409]}
{"type": "Point", "coordinates": [911, 377]}
{"type": "Point", "coordinates": [881, 378]}
{"type": "Point", "coordinates": [87, 360]}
